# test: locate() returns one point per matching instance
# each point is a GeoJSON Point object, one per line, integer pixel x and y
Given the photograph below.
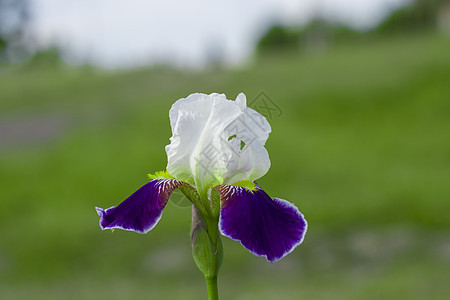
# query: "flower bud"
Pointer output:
{"type": "Point", "coordinates": [206, 245]}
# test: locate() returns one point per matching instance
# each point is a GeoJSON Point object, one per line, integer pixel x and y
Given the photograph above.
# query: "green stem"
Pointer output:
{"type": "Point", "coordinates": [211, 284]}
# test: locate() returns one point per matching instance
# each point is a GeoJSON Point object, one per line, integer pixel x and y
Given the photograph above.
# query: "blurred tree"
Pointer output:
{"type": "Point", "coordinates": [317, 35]}
{"type": "Point", "coordinates": [14, 19]}
{"type": "Point", "coordinates": [2, 44]}
{"type": "Point", "coordinates": [320, 34]}
{"type": "Point", "coordinates": [278, 38]}
{"type": "Point", "coordinates": [46, 57]}
{"type": "Point", "coordinates": [420, 15]}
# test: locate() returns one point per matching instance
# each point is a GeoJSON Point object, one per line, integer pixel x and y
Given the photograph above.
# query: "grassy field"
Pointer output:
{"type": "Point", "coordinates": [360, 143]}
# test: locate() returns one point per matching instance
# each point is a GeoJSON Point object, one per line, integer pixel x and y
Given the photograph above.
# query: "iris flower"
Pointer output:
{"type": "Point", "coordinates": [215, 154]}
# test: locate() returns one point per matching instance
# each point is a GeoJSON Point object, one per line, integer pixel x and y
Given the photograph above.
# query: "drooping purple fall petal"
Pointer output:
{"type": "Point", "coordinates": [269, 227]}
{"type": "Point", "coordinates": [142, 210]}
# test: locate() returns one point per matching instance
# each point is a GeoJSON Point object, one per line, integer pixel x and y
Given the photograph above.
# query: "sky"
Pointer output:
{"type": "Point", "coordinates": [129, 33]}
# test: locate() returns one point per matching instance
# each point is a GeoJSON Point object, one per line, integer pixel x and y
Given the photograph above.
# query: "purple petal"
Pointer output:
{"type": "Point", "coordinates": [269, 227]}
{"type": "Point", "coordinates": [142, 210]}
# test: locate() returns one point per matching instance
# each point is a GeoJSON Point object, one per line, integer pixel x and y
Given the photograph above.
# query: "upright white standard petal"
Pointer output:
{"type": "Point", "coordinates": [216, 141]}
{"type": "Point", "coordinates": [198, 151]}
{"type": "Point", "coordinates": [249, 133]}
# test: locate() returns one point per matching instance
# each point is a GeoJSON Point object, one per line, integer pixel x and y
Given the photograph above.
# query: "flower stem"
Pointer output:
{"type": "Point", "coordinates": [211, 284]}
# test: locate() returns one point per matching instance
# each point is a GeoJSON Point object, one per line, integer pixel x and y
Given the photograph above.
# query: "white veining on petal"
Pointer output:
{"type": "Point", "coordinates": [164, 187]}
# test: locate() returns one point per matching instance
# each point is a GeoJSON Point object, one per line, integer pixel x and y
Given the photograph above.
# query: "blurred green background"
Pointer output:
{"type": "Point", "coordinates": [360, 143]}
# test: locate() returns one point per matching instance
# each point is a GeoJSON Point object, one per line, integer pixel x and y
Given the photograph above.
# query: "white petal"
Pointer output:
{"type": "Point", "coordinates": [201, 151]}
{"type": "Point", "coordinates": [252, 161]}
{"type": "Point", "coordinates": [254, 121]}
{"type": "Point", "coordinates": [198, 151]}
